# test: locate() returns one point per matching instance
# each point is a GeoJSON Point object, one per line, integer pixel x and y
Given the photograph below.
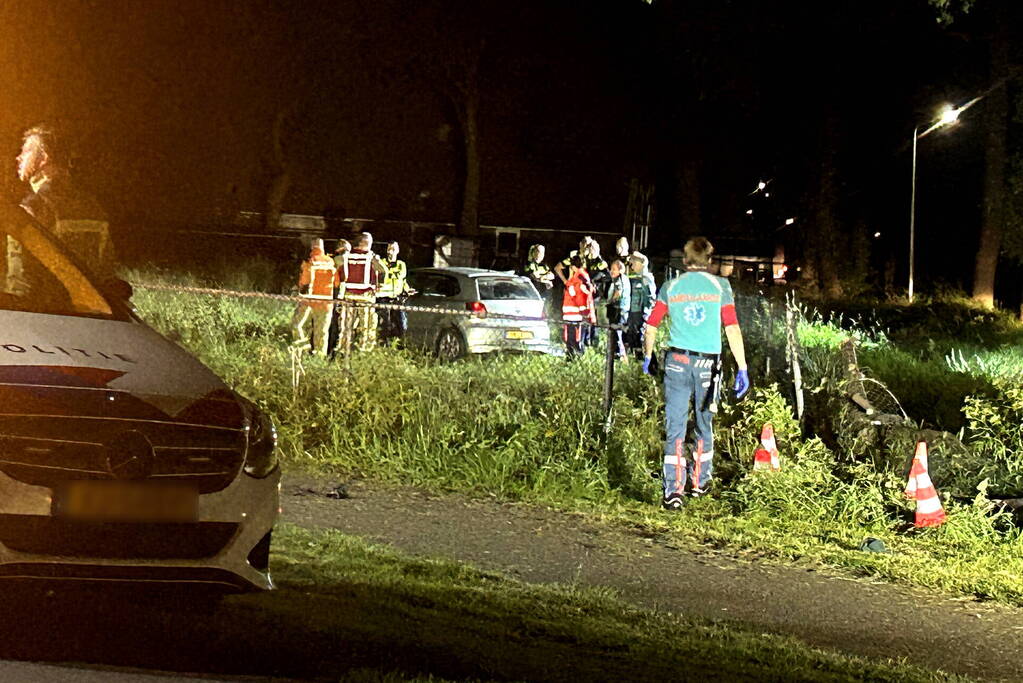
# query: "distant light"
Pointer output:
{"type": "Point", "coordinates": [767, 194]}
{"type": "Point", "coordinates": [949, 115]}
{"type": "Point", "coordinates": [877, 234]}
{"type": "Point", "coordinates": [749, 212]}
{"type": "Point", "coordinates": [790, 221]}
{"type": "Point", "coordinates": [761, 185]}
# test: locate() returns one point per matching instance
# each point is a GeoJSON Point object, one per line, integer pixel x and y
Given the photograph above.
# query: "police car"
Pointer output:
{"type": "Point", "coordinates": [122, 457]}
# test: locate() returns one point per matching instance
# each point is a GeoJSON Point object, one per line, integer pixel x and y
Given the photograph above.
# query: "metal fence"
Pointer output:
{"type": "Point", "coordinates": [456, 331]}
{"type": "Point", "coordinates": [448, 331]}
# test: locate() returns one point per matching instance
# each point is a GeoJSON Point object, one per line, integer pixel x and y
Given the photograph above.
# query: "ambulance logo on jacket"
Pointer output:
{"type": "Point", "coordinates": [694, 313]}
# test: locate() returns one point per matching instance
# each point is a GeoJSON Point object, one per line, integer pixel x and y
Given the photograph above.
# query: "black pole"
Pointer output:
{"type": "Point", "coordinates": [609, 376]}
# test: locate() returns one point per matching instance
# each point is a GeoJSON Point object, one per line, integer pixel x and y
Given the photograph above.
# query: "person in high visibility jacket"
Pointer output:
{"type": "Point", "coordinates": [340, 256]}
{"type": "Point", "coordinates": [643, 291]}
{"type": "Point", "coordinates": [539, 273]}
{"type": "Point", "coordinates": [393, 289]}
{"type": "Point", "coordinates": [577, 308]}
{"type": "Point", "coordinates": [358, 318]}
{"type": "Point", "coordinates": [697, 304]}
{"type": "Point", "coordinates": [597, 270]}
{"type": "Point", "coordinates": [316, 285]}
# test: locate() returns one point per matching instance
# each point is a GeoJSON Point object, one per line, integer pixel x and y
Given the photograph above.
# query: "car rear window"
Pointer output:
{"type": "Point", "coordinates": [501, 288]}
{"type": "Point", "coordinates": [434, 284]}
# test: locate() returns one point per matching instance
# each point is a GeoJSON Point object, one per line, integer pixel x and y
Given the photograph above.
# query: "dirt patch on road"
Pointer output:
{"type": "Point", "coordinates": [540, 545]}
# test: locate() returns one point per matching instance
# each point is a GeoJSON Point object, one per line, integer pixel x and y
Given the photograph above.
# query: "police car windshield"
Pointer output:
{"type": "Point", "coordinates": [36, 276]}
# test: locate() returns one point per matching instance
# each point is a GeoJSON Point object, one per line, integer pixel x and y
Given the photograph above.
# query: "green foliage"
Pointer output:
{"type": "Point", "coordinates": [737, 430]}
{"type": "Point", "coordinates": [531, 427]}
{"type": "Point", "coordinates": [402, 417]}
{"type": "Point", "coordinates": [995, 437]}
{"type": "Point", "coordinates": [948, 9]}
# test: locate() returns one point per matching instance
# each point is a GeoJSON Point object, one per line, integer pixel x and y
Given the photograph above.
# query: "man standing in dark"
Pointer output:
{"type": "Point", "coordinates": [697, 305]}
{"type": "Point", "coordinates": [75, 217]}
{"type": "Point", "coordinates": [618, 304]}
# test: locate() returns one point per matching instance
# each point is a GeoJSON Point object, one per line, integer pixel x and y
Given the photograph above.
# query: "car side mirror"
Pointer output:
{"type": "Point", "coordinates": [118, 288]}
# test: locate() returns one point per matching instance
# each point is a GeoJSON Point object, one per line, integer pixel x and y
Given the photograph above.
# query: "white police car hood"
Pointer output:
{"type": "Point", "coordinates": [118, 369]}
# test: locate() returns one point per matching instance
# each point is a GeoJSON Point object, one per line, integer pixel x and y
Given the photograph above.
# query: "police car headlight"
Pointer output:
{"type": "Point", "coordinates": [260, 444]}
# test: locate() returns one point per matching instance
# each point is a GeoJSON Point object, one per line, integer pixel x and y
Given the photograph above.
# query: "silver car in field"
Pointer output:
{"type": "Point", "coordinates": [477, 299]}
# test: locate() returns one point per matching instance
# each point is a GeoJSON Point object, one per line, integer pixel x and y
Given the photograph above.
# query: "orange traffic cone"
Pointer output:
{"type": "Point", "coordinates": [767, 457]}
{"type": "Point", "coordinates": [919, 488]}
{"type": "Point", "coordinates": [761, 460]}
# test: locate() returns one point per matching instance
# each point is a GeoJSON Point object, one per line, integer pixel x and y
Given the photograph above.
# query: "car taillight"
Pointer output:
{"type": "Point", "coordinates": [476, 307]}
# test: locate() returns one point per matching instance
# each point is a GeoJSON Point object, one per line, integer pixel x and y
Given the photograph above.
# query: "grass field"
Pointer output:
{"type": "Point", "coordinates": [417, 618]}
{"type": "Point", "coordinates": [530, 428]}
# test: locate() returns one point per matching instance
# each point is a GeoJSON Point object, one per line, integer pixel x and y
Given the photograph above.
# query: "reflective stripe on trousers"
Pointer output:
{"type": "Point", "coordinates": [320, 314]}
{"type": "Point", "coordinates": [686, 382]}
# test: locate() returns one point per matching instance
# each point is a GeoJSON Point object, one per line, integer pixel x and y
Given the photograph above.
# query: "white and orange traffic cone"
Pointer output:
{"type": "Point", "coordinates": [919, 488]}
{"type": "Point", "coordinates": [761, 460]}
{"type": "Point", "coordinates": [767, 457]}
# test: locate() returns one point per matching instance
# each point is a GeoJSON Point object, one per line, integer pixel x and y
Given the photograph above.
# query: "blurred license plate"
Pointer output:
{"type": "Point", "coordinates": [126, 501]}
{"type": "Point", "coordinates": [518, 334]}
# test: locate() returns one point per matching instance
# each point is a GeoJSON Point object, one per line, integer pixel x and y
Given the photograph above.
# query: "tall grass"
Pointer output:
{"type": "Point", "coordinates": [531, 428]}
{"type": "Point", "coordinates": [515, 425]}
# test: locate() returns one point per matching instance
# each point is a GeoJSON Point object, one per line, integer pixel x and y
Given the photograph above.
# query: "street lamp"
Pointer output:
{"type": "Point", "coordinates": [948, 116]}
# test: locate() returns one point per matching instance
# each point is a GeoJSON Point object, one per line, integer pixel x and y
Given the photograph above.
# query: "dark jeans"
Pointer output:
{"type": "Point", "coordinates": [575, 336]}
{"type": "Point", "coordinates": [393, 322]}
{"type": "Point", "coordinates": [633, 336]}
{"type": "Point", "coordinates": [334, 332]}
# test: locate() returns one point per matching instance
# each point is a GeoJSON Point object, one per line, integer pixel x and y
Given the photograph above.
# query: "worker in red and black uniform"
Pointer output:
{"type": "Point", "coordinates": [697, 305]}
{"type": "Point", "coordinates": [577, 308]}
{"type": "Point", "coordinates": [316, 284]}
{"type": "Point", "coordinates": [598, 272]}
{"type": "Point", "coordinates": [358, 318]}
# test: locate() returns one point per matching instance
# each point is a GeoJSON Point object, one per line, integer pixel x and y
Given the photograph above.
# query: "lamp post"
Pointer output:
{"type": "Point", "coordinates": [948, 116]}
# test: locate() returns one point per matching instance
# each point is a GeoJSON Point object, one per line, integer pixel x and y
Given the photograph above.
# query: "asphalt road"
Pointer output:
{"type": "Point", "coordinates": [831, 611]}
{"type": "Point", "coordinates": [93, 635]}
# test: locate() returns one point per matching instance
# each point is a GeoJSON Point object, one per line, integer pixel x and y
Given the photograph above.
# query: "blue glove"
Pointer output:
{"type": "Point", "coordinates": [741, 384]}
{"type": "Point", "coordinates": [646, 365]}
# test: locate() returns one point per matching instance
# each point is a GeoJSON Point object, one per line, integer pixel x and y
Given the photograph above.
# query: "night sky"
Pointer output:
{"type": "Point", "coordinates": [170, 106]}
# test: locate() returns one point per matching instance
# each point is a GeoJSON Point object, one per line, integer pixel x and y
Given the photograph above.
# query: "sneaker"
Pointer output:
{"type": "Point", "coordinates": [672, 502]}
{"type": "Point", "coordinates": [698, 492]}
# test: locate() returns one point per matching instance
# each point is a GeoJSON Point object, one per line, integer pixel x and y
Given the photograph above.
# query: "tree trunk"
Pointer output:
{"type": "Point", "coordinates": [689, 198]}
{"type": "Point", "coordinates": [275, 197]}
{"type": "Point", "coordinates": [829, 247]}
{"type": "Point", "coordinates": [469, 219]}
{"type": "Point", "coordinates": [997, 112]}
{"type": "Point", "coordinates": [281, 183]}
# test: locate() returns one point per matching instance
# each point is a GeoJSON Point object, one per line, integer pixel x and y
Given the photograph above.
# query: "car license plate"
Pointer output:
{"type": "Point", "coordinates": [127, 501]}
{"type": "Point", "coordinates": [518, 334]}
